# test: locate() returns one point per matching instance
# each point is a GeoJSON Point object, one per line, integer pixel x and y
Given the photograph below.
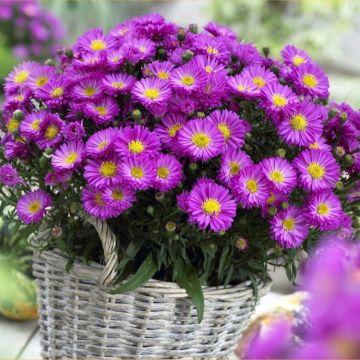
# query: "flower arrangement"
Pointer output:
{"type": "Point", "coordinates": [29, 30]}
{"type": "Point", "coordinates": [209, 160]}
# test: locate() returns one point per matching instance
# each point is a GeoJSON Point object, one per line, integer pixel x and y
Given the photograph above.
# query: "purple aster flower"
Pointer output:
{"type": "Point", "coordinates": [169, 129]}
{"type": "Point", "coordinates": [280, 173]}
{"type": "Point", "coordinates": [232, 161]}
{"type": "Point", "coordinates": [207, 45]}
{"type": "Point", "coordinates": [251, 187]}
{"type": "Point", "coordinates": [94, 41]}
{"type": "Point", "coordinates": [301, 125]}
{"type": "Point", "coordinates": [120, 197]}
{"type": "Point", "coordinates": [246, 53]}
{"type": "Point", "coordinates": [200, 139]}
{"type": "Point", "coordinates": [219, 30]}
{"type": "Point", "coordinates": [183, 103]}
{"type": "Point", "coordinates": [101, 143]}
{"type": "Point", "coordinates": [88, 89]}
{"type": "Point", "coordinates": [320, 144]}
{"type": "Point", "coordinates": [31, 207]}
{"type": "Point", "coordinates": [289, 227]}
{"type": "Point", "coordinates": [259, 75]}
{"type": "Point", "coordinates": [68, 156]}
{"type": "Point", "coordinates": [135, 50]}
{"type": "Point", "coordinates": [9, 176]}
{"type": "Point", "coordinates": [160, 69]}
{"type": "Point", "coordinates": [324, 210]}
{"type": "Point", "coordinates": [40, 76]}
{"type": "Point", "coordinates": [102, 110]}
{"type": "Point", "coordinates": [19, 77]}
{"type": "Point", "coordinates": [90, 61]}
{"type": "Point", "coordinates": [182, 201]}
{"type": "Point", "coordinates": [115, 58]}
{"type": "Point", "coordinates": [243, 86]}
{"type": "Point", "coordinates": [318, 170]}
{"type": "Point", "coordinates": [211, 205]}
{"type": "Point", "coordinates": [15, 149]}
{"type": "Point", "coordinates": [137, 140]}
{"type": "Point", "coordinates": [123, 31]}
{"type": "Point", "coordinates": [50, 133]}
{"type": "Point", "coordinates": [188, 78]}
{"type": "Point", "coordinates": [54, 92]}
{"type": "Point", "coordinates": [311, 80]}
{"type": "Point", "coordinates": [104, 172]}
{"type": "Point", "coordinates": [95, 205]}
{"type": "Point", "coordinates": [138, 172]}
{"type": "Point", "coordinates": [231, 127]}
{"type": "Point", "coordinates": [168, 172]}
{"type": "Point", "coordinates": [74, 131]}
{"type": "Point", "coordinates": [57, 177]}
{"type": "Point", "coordinates": [151, 91]}
{"type": "Point", "coordinates": [209, 65]}
{"type": "Point", "coordinates": [294, 57]}
{"type": "Point", "coordinates": [118, 83]}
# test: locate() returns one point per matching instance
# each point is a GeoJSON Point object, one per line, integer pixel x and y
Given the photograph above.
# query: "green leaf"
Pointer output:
{"type": "Point", "coordinates": [145, 272]}
{"type": "Point", "coordinates": [189, 281]}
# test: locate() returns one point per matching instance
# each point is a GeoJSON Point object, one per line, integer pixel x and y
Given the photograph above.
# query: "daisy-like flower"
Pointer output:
{"type": "Point", "coordinates": [115, 58]}
{"type": "Point", "coordinates": [231, 127]}
{"type": "Point", "coordinates": [50, 131]}
{"type": "Point", "coordinates": [259, 75]}
{"type": "Point", "coordinates": [243, 86]}
{"type": "Point", "coordinates": [301, 125]}
{"type": "Point", "coordinates": [137, 140]}
{"type": "Point", "coordinates": [169, 128]}
{"type": "Point", "coordinates": [32, 207]}
{"type": "Point", "coordinates": [211, 205]}
{"type": "Point", "coordinates": [207, 45]}
{"type": "Point", "coordinates": [102, 110]}
{"type": "Point", "coordinates": [68, 156]}
{"type": "Point", "coordinates": [90, 61]}
{"type": "Point", "coordinates": [188, 78]}
{"type": "Point", "coordinates": [289, 227]}
{"type": "Point", "coordinates": [9, 176]}
{"type": "Point", "coordinates": [251, 187]}
{"type": "Point", "coordinates": [277, 98]}
{"type": "Point", "coordinates": [94, 41]}
{"type": "Point", "coordinates": [151, 91]}
{"type": "Point", "coordinates": [219, 30]}
{"type": "Point", "coordinates": [168, 172]}
{"type": "Point", "coordinates": [74, 131]}
{"type": "Point", "coordinates": [280, 173]}
{"type": "Point", "coordinates": [101, 142]}
{"type": "Point", "coordinates": [54, 92]}
{"type": "Point", "coordinates": [95, 205]}
{"type": "Point", "coordinates": [294, 57]}
{"type": "Point", "coordinates": [200, 139]}
{"type": "Point", "coordinates": [311, 80]}
{"type": "Point", "coordinates": [160, 69]}
{"type": "Point", "coordinates": [88, 89]}
{"type": "Point", "coordinates": [209, 65]}
{"type": "Point", "coordinates": [40, 76]}
{"type": "Point", "coordinates": [135, 50]}
{"type": "Point", "coordinates": [324, 210]}
{"type": "Point", "coordinates": [318, 169]}
{"type": "Point", "coordinates": [182, 201]}
{"type": "Point", "coordinates": [232, 162]}
{"type": "Point", "coordinates": [19, 77]}
{"type": "Point", "coordinates": [118, 83]}
{"type": "Point", "coordinates": [138, 172]}
{"type": "Point", "coordinates": [320, 144]}
{"type": "Point", "coordinates": [104, 172]}
{"type": "Point", "coordinates": [120, 197]}
{"type": "Point", "coordinates": [57, 177]}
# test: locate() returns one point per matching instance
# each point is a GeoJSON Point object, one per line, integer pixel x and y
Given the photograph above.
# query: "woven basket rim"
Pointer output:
{"type": "Point", "coordinates": [82, 270]}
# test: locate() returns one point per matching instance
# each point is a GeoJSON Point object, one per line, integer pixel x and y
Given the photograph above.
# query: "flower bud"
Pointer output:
{"type": "Point", "coordinates": [332, 113]}
{"type": "Point", "coordinates": [343, 117]}
{"type": "Point", "coordinates": [49, 62]}
{"type": "Point", "coordinates": [170, 226]}
{"type": "Point", "coordinates": [161, 52]}
{"type": "Point", "coordinates": [272, 211]}
{"type": "Point", "coordinates": [159, 196]}
{"type": "Point", "coordinates": [187, 55]}
{"type": "Point", "coordinates": [150, 210]}
{"type": "Point", "coordinates": [221, 233]}
{"type": "Point", "coordinates": [181, 35]}
{"type": "Point", "coordinates": [43, 162]}
{"type": "Point", "coordinates": [281, 153]}
{"type": "Point", "coordinates": [136, 114]}
{"type": "Point", "coordinates": [349, 160]}
{"type": "Point", "coordinates": [248, 135]}
{"type": "Point", "coordinates": [69, 53]}
{"type": "Point", "coordinates": [284, 205]}
{"type": "Point", "coordinates": [339, 185]}
{"type": "Point", "coordinates": [56, 231]}
{"type": "Point", "coordinates": [193, 28]}
{"type": "Point", "coordinates": [18, 115]}
{"type": "Point", "coordinates": [340, 151]}
{"type": "Point", "coordinates": [48, 151]}
{"type": "Point", "coordinates": [200, 114]}
{"type": "Point", "coordinates": [176, 237]}
{"type": "Point", "coordinates": [241, 244]}
{"type": "Point", "coordinates": [193, 166]}
{"type": "Point", "coordinates": [266, 51]}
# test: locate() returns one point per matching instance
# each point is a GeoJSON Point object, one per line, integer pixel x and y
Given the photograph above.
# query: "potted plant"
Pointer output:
{"type": "Point", "coordinates": [168, 169]}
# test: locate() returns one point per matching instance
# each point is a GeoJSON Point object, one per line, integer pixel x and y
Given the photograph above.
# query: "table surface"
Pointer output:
{"type": "Point", "coordinates": [21, 340]}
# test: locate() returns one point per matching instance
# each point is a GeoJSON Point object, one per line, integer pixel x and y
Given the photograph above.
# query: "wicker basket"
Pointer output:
{"type": "Point", "coordinates": [80, 319]}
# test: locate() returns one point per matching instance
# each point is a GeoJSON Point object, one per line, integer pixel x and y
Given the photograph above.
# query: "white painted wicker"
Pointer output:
{"type": "Point", "coordinates": [80, 319]}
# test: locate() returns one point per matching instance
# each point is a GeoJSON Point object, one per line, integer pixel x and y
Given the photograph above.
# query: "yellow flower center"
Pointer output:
{"type": "Point", "coordinates": [241, 87]}
{"type": "Point", "coordinates": [41, 81]}
{"type": "Point", "coordinates": [309, 80]}
{"type": "Point", "coordinates": [90, 91]}
{"type": "Point", "coordinates": [34, 207]}
{"type": "Point", "coordinates": [118, 85]}
{"type": "Point", "coordinates": [211, 206]}
{"type": "Point", "coordinates": [271, 199]}
{"type": "Point", "coordinates": [279, 100]}
{"type": "Point", "coordinates": [99, 200]}
{"type": "Point", "coordinates": [51, 132]}
{"type": "Point", "coordinates": [20, 98]}
{"type": "Point", "coordinates": [163, 75]}
{"type": "Point", "coordinates": [117, 195]}
{"type": "Point", "coordinates": [152, 93]}
{"type": "Point", "coordinates": [102, 144]}
{"type": "Point", "coordinates": [57, 92]}
{"type": "Point", "coordinates": [21, 76]}
{"type": "Point", "coordinates": [288, 224]}
{"type": "Point", "coordinates": [212, 51]}
{"type": "Point", "coordinates": [259, 81]}
{"type": "Point", "coordinates": [163, 172]}
{"type": "Point", "coordinates": [136, 146]}
{"type": "Point", "coordinates": [187, 80]}
{"type": "Point", "coordinates": [97, 45]}
{"type": "Point", "coordinates": [323, 209]}
{"type": "Point", "coordinates": [209, 69]}
{"type": "Point", "coordinates": [225, 130]}
{"type": "Point", "coordinates": [101, 110]}
{"type": "Point", "coordinates": [234, 168]}
{"type": "Point", "coordinates": [316, 170]}
{"type": "Point", "coordinates": [299, 122]}
{"type": "Point", "coordinates": [12, 125]}
{"type": "Point", "coordinates": [173, 130]}
{"type": "Point", "coordinates": [277, 176]}
{"type": "Point", "coordinates": [314, 145]}
{"type": "Point", "coordinates": [137, 172]}
{"type": "Point", "coordinates": [298, 60]}
{"type": "Point", "coordinates": [251, 186]}
{"type": "Point", "coordinates": [108, 169]}
{"type": "Point", "coordinates": [201, 140]}
{"type": "Point", "coordinates": [142, 49]}
{"type": "Point", "coordinates": [35, 124]}
{"type": "Point", "coordinates": [115, 59]}
{"type": "Point", "coordinates": [71, 158]}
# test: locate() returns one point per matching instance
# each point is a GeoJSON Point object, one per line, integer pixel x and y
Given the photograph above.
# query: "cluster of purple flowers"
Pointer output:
{"type": "Point", "coordinates": [30, 30]}
{"type": "Point", "coordinates": [133, 110]}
